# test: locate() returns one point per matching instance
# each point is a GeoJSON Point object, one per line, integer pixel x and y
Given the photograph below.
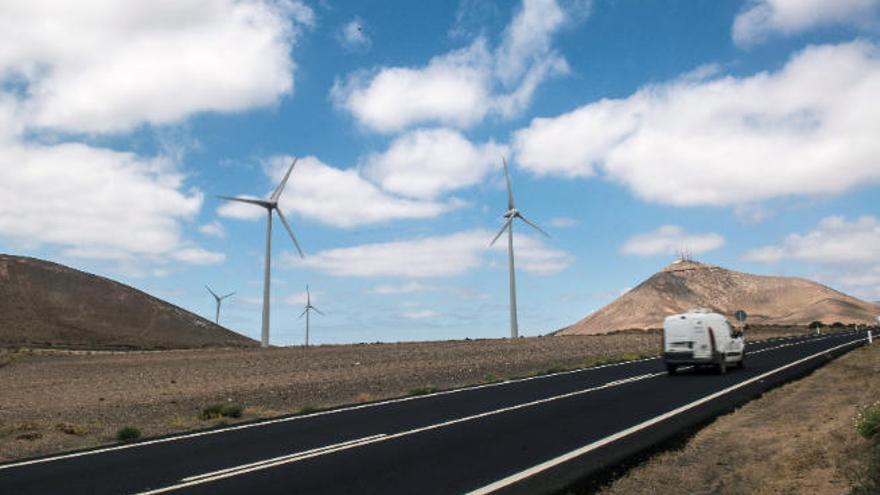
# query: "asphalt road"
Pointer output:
{"type": "Point", "coordinates": [524, 436]}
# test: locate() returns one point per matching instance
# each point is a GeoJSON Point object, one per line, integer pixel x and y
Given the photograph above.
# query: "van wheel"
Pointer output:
{"type": "Point", "coordinates": [722, 368]}
{"type": "Point", "coordinates": [742, 362]}
{"type": "Point", "coordinates": [671, 369]}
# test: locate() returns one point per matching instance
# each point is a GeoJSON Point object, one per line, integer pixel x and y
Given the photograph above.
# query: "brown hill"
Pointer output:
{"type": "Point", "coordinates": [47, 304]}
{"type": "Point", "coordinates": [684, 285]}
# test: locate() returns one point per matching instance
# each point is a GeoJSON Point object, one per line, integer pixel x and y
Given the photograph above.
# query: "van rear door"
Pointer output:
{"type": "Point", "coordinates": [677, 334]}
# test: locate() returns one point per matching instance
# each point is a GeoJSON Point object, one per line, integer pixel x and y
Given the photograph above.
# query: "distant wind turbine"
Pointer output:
{"type": "Point", "coordinates": [270, 206]}
{"type": "Point", "coordinates": [219, 299]}
{"type": "Point", "coordinates": [305, 313]}
{"type": "Point", "coordinates": [510, 215]}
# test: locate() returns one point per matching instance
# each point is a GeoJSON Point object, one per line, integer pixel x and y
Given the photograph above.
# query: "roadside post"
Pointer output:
{"type": "Point", "coordinates": [741, 316]}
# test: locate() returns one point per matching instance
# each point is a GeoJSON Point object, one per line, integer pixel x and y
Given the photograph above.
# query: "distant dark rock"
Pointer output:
{"type": "Point", "coordinates": [45, 304]}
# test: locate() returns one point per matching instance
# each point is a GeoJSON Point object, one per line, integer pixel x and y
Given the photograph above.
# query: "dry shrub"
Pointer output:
{"type": "Point", "coordinates": [72, 429]}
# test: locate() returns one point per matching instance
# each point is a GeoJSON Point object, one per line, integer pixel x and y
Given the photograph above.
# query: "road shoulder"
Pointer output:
{"type": "Point", "coordinates": [798, 438]}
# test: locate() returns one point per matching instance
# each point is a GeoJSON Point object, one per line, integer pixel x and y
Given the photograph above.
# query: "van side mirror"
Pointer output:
{"type": "Point", "coordinates": [737, 334]}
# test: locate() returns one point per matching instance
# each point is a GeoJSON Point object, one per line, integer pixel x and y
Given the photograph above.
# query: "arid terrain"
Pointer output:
{"type": "Point", "coordinates": [55, 400]}
{"type": "Point", "coordinates": [44, 304]}
{"type": "Point", "coordinates": [796, 439]}
{"type": "Point", "coordinates": [684, 285]}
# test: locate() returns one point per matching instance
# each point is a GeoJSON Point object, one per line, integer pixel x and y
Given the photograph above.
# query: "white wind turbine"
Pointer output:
{"type": "Point", "coordinates": [270, 206]}
{"type": "Point", "coordinates": [305, 313]}
{"type": "Point", "coordinates": [219, 300]}
{"type": "Point", "coordinates": [510, 215]}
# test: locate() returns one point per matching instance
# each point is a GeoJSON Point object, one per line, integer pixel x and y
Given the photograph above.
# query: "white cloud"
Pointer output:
{"type": "Point", "coordinates": [105, 66]}
{"type": "Point", "coordinates": [96, 203]}
{"type": "Point", "coordinates": [198, 256]}
{"type": "Point", "coordinates": [532, 255]}
{"type": "Point", "coordinates": [406, 288]}
{"type": "Point", "coordinates": [562, 222]}
{"type": "Point", "coordinates": [438, 256]}
{"type": "Point", "coordinates": [809, 128]}
{"type": "Point", "coordinates": [451, 90]}
{"type": "Point", "coordinates": [300, 298]}
{"type": "Point", "coordinates": [213, 229]}
{"type": "Point", "coordinates": [671, 239]}
{"type": "Point", "coordinates": [354, 38]}
{"type": "Point", "coordinates": [527, 40]}
{"type": "Point", "coordinates": [763, 18]}
{"type": "Point", "coordinates": [241, 211]}
{"type": "Point", "coordinates": [835, 240]}
{"type": "Point", "coordinates": [428, 162]}
{"type": "Point", "coordinates": [753, 213]}
{"type": "Point", "coordinates": [419, 314]}
{"type": "Point", "coordinates": [461, 87]}
{"type": "Point", "coordinates": [341, 198]}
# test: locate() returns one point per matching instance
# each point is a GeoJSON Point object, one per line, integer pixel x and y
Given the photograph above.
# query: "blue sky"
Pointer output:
{"type": "Point", "coordinates": [742, 131]}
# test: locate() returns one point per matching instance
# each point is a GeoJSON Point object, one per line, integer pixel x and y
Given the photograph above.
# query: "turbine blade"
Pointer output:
{"type": "Point", "coordinates": [318, 311]}
{"type": "Point", "coordinates": [503, 228]}
{"type": "Point", "coordinates": [252, 201]}
{"type": "Point", "coordinates": [290, 231]}
{"type": "Point", "coordinates": [280, 188]}
{"type": "Point", "coordinates": [539, 229]}
{"type": "Point", "coordinates": [209, 290]}
{"type": "Point", "coordinates": [227, 295]}
{"type": "Point", "coordinates": [304, 312]}
{"type": "Point", "coordinates": [510, 203]}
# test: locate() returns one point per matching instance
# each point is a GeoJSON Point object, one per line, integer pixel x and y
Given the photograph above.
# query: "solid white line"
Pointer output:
{"type": "Point", "coordinates": [382, 438]}
{"type": "Point", "coordinates": [514, 478]}
{"type": "Point", "coordinates": [319, 413]}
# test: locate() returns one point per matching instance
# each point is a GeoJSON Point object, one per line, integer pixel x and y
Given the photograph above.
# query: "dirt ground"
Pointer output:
{"type": "Point", "coordinates": [796, 439]}
{"type": "Point", "coordinates": [54, 401]}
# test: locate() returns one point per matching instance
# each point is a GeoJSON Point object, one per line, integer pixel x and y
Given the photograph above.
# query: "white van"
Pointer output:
{"type": "Point", "coordinates": [700, 337]}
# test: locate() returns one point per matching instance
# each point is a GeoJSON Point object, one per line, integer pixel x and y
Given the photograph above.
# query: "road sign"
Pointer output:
{"type": "Point", "coordinates": [741, 316]}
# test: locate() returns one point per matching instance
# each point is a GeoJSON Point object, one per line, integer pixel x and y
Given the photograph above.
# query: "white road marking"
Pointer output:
{"type": "Point", "coordinates": [235, 471]}
{"type": "Point", "coordinates": [517, 477]}
{"type": "Point", "coordinates": [298, 455]}
{"type": "Point", "coordinates": [264, 464]}
{"type": "Point", "coordinates": [332, 411]}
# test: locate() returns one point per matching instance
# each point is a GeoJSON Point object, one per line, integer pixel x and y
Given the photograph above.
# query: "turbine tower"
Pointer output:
{"type": "Point", "coordinates": [270, 206]}
{"type": "Point", "coordinates": [219, 299]}
{"type": "Point", "coordinates": [511, 214]}
{"type": "Point", "coordinates": [309, 308]}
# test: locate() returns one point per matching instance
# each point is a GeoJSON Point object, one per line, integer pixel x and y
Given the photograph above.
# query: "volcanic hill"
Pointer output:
{"type": "Point", "coordinates": [45, 304]}
{"type": "Point", "coordinates": [685, 285]}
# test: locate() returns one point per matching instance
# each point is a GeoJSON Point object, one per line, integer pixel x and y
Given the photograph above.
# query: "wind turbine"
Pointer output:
{"type": "Point", "coordinates": [309, 307]}
{"type": "Point", "coordinates": [511, 214]}
{"type": "Point", "coordinates": [270, 206]}
{"type": "Point", "coordinates": [219, 299]}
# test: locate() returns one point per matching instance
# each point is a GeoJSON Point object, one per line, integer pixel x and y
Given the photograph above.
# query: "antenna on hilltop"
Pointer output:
{"type": "Point", "coordinates": [684, 255]}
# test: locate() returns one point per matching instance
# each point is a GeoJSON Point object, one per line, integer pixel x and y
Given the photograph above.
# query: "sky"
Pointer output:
{"type": "Point", "coordinates": [744, 132]}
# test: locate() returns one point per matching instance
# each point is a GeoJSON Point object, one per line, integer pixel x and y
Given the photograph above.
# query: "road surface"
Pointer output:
{"type": "Point", "coordinates": [523, 436]}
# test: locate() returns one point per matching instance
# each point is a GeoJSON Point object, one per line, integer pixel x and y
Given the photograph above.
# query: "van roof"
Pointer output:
{"type": "Point", "coordinates": [696, 314]}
